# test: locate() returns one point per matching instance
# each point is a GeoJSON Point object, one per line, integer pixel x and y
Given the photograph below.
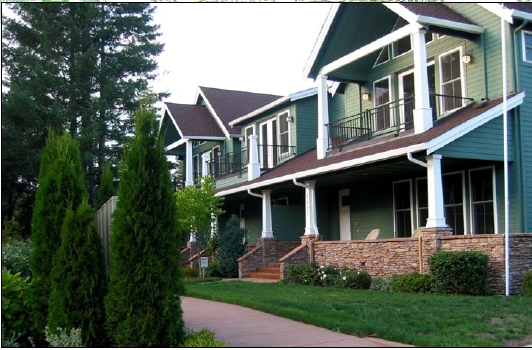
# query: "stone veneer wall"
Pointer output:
{"type": "Point", "coordinates": [386, 257]}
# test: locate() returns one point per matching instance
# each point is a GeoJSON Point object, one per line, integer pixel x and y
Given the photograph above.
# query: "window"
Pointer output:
{"type": "Point", "coordinates": [451, 80]}
{"type": "Point", "coordinates": [280, 201]}
{"type": "Point", "coordinates": [215, 161]}
{"type": "Point", "coordinates": [403, 45]}
{"type": "Point", "coordinates": [381, 91]}
{"type": "Point", "coordinates": [527, 46]}
{"type": "Point", "coordinates": [250, 130]}
{"type": "Point", "coordinates": [453, 201]}
{"type": "Point", "coordinates": [284, 133]}
{"type": "Point", "coordinates": [402, 208]}
{"type": "Point", "coordinates": [429, 37]}
{"type": "Point", "coordinates": [482, 189]}
{"type": "Point", "coordinates": [384, 56]}
{"type": "Point", "coordinates": [195, 166]}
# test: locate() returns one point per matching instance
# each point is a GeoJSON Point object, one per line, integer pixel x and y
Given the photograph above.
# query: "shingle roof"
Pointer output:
{"type": "Point", "coordinates": [519, 6]}
{"type": "Point", "coordinates": [309, 161]}
{"type": "Point", "coordinates": [436, 10]}
{"type": "Point", "coordinates": [231, 104]}
{"type": "Point", "coordinates": [194, 120]}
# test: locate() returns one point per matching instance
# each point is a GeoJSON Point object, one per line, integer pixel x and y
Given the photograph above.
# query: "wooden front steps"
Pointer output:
{"type": "Point", "coordinates": [270, 272]}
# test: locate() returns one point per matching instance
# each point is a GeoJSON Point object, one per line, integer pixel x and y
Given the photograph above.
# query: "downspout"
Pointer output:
{"type": "Point", "coordinates": [485, 66]}
{"type": "Point", "coordinates": [415, 161]}
{"type": "Point", "coordinates": [254, 194]}
{"type": "Point", "coordinates": [314, 225]}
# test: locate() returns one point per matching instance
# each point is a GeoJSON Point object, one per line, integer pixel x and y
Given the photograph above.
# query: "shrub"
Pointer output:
{"type": "Point", "coordinates": [527, 284]}
{"type": "Point", "coordinates": [307, 274]}
{"type": "Point", "coordinates": [381, 283]}
{"type": "Point", "coordinates": [143, 306]}
{"type": "Point", "coordinates": [106, 189]}
{"type": "Point", "coordinates": [15, 310]}
{"type": "Point", "coordinates": [9, 341]}
{"type": "Point", "coordinates": [329, 275]}
{"type": "Point", "coordinates": [16, 256]}
{"type": "Point", "coordinates": [464, 272]}
{"type": "Point", "coordinates": [213, 270]}
{"type": "Point", "coordinates": [78, 279]}
{"type": "Point", "coordinates": [354, 279]}
{"type": "Point", "coordinates": [64, 339]}
{"type": "Point", "coordinates": [412, 282]}
{"type": "Point", "coordinates": [232, 245]}
{"type": "Point", "coordinates": [203, 339]}
{"type": "Point", "coordinates": [190, 272]}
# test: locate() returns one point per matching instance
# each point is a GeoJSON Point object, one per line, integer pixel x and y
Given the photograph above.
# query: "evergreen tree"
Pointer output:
{"type": "Point", "coordinates": [79, 67]}
{"type": "Point", "coordinates": [143, 305]}
{"type": "Point", "coordinates": [78, 279]}
{"type": "Point", "coordinates": [106, 189]}
{"type": "Point", "coordinates": [232, 245]}
{"type": "Point", "coordinates": [61, 186]}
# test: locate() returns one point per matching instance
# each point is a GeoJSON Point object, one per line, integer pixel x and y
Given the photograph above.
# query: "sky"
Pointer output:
{"type": "Point", "coordinates": [256, 47]}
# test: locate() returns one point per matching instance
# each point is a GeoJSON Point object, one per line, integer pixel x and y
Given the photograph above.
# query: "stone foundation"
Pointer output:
{"type": "Point", "coordinates": [267, 250]}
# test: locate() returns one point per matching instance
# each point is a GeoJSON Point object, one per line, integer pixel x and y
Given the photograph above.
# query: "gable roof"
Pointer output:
{"type": "Point", "coordinates": [227, 105]}
{"type": "Point", "coordinates": [193, 121]}
{"type": "Point", "coordinates": [433, 14]}
{"type": "Point", "coordinates": [509, 11]}
{"type": "Point", "coordinates": [444, 131]}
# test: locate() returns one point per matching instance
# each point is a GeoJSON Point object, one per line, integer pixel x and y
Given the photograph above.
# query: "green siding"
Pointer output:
{"type": "Point", "coordinates": [253, 207]}
{"type": "Point", "coordinates": [288, 222]}
{"type": "Point", "coordinates": [306, 123]}
{"type": "Point", "coordinates": [485, 142]}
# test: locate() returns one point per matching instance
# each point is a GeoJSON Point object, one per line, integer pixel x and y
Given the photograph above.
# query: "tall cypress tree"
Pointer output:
{"type": "Point", "coordinates": [106, 189]}
{"type": "Point", "coordinates": [61, 186]}
{"type": "Point", "coordinates": [78, 278]}
{"type": "Point", "coordinates": [143, 306]}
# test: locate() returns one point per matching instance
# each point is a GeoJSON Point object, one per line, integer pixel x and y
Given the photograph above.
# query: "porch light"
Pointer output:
{"type": "Point", "coordinates": [290, 119]}
{"type": "Point", "coordinates": [467, 58]}
{"type": "Point", "coordinates": [241, 138]}
{"type": "Point", "coordinates": [366, 96]}
{"type": "Point", "coordinates": [219, 153]}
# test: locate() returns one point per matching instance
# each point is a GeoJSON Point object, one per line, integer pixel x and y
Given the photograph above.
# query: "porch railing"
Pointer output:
{"type": "Point", "coordinates": [271, 155]}
{"type": "Point", "coordinates": [392, 117]}
{"type": "Point", "coordinates": [228, 163]}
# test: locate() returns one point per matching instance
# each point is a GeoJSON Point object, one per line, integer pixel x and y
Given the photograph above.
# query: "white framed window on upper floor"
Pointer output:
{"type": "Point", "coordinates": [402, 208]}
{"type": "Point", "coordinates": [284, 132]}
{"type": "Point", "coordinates": [452, 81]}
{"type": "Point", "coordinates": [382, 93]}
{"type": "Point", "coordinates": [526, 39]}
{"type": "Point", "coordinates": [248, 131]}
{"type": "Point", "coordinates": [483, 202]}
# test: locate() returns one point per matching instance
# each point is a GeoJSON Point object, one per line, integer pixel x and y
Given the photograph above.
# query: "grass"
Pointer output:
{"type": "Point", "coordinates": [424, 320]}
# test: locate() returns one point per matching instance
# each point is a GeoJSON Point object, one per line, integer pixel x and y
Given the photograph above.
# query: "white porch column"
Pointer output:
{"type": "Point", "coordinates": [267, 231]}
{"type": "Point", "coordinates": [254, 164]}
{"type": "Point", "coordinates": [189, 175]}
{"type": "Point", "coordinates": [435, 192]}
{"type": "Point", "coordinates": [322, 143]}
{"type": "Point", "coordinates": [192, 236]}
{"type": "Point", "coordinates": [205, 164]}
{"type": "Point", "coordinates": [311, 228]}
{"type": "Point", "coordinates": [422, 109]}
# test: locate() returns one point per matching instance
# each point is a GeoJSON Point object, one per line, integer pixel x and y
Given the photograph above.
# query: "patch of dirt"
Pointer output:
{"type": "Point", "coordinates": [515, 343]}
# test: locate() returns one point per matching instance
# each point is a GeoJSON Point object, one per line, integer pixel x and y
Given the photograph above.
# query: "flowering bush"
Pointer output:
{"type": "Point", "coordinates": [16, 256]}
{"type": "Point", "coordinates": [351, 278]}
{"type": "Point", "coordinates": [63, 339]}
{"type": "Point", "coordinates": [381, 283]}
{"type": "Point", "coordinates": [307, 274]}
{"type": "Point", "coordinates": [330, 275]}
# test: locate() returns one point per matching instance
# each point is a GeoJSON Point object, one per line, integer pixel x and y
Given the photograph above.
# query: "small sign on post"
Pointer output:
{"type": "Point", "coordinates": [204, 262]}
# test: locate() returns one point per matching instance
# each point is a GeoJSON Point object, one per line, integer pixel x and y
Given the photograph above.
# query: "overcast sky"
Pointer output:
{"type": "Point", "coordinates": [257, 47]}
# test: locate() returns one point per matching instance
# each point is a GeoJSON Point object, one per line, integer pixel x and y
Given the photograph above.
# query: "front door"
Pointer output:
{"type": "Point", "coordinates": [345, 215]}
{"type": "Point", "coordinates": [406, 92]}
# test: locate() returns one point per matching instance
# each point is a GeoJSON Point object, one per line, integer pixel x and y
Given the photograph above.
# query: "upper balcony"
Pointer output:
{"type": "Point", "coordinates": [235, 163]}
{"type": "Point", "coordinates": [390, 118]}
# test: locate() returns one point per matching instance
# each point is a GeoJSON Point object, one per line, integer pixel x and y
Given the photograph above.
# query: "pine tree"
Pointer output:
{"type": "Point", "coordinates": [76, 67]}
{"type": "Point", "coordinates": [232, 246]}
{"type": "Point", "coordinates": [78, 279]}
{"type": "Point", "coordinates": [61, 186]}
{"type": "Point", "coordinates": [106, 189]}
{"type": "Point", "coordinates": [143, 305]}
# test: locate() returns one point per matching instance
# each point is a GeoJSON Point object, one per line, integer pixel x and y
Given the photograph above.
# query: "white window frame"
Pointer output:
{"type": "Point", "coordinates": [387, 47]}
{"type": "Point", "coordinates": [390, 96]}
{"type": "Point", "coordinates": [495, 212]}
{"type": "Point", "coordinates": [394, 56]}
{"type": "Point", "coordinates": [523, 45]}
{"type": "Point", "coordinates": [265, 163]}
{"type": "Point", "coordinates": [253, 132]}
{"type": "Point", "coordinates": [411, 208]}
{"type": "Point", "coordinates": [462, 78]}
{"type": "Point", "coordinates": [276, 201]}
{"type": "Point", "coordinates": [289, 131]}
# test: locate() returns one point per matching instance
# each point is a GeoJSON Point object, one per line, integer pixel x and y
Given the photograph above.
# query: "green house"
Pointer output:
{"type": "Point", "coordinates": [405, 131]}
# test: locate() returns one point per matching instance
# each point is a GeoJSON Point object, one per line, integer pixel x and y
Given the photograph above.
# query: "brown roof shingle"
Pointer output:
{"type": "Point", "coordinates": [519, 6]}
{"type": "Point", "coordinates": [436, 10]}
{"type": "Point", "coordinates": [231, 104]}
{"type": "Point", "coordinates": [194, 120]}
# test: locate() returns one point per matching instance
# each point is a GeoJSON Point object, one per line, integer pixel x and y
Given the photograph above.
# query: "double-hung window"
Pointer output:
{"type": "Point", "coordinates": [482, 200]}
{"type": "Point", "coordinates": [284, 133]}
{"type": "Point", "coordinates": [402, 200]}
{"type": "Point", "coordinates": [382, 93]}
{"type": "Point", "coordinates": [451, 80]}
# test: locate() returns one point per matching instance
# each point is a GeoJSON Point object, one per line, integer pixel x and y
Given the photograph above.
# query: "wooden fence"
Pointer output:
{"type": "Point", "coordinates": [103, 225]}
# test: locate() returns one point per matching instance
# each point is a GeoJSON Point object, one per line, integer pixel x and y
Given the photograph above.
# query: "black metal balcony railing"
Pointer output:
{"type": "Point", "coordinates": [228, 163]}
{"type": "Point", "coordinates": [392, 117]}
{"type": "Point", "coordinates": [271, 155]}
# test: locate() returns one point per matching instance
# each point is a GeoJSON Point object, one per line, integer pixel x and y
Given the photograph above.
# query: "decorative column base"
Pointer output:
{"type": "Point", "coordinates": [431, 243]}
{"type": "Point", "coordinates": [193, 246]}
{"type": "Point", "coordinates": [269, 250]}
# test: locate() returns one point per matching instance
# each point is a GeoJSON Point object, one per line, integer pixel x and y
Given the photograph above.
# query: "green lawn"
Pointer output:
{"type": "Point", "coordinates": [425, 320]}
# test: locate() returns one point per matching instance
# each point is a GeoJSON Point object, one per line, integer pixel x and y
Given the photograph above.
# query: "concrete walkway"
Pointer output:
{"type": "Point", "coordinates": [242, 327]}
